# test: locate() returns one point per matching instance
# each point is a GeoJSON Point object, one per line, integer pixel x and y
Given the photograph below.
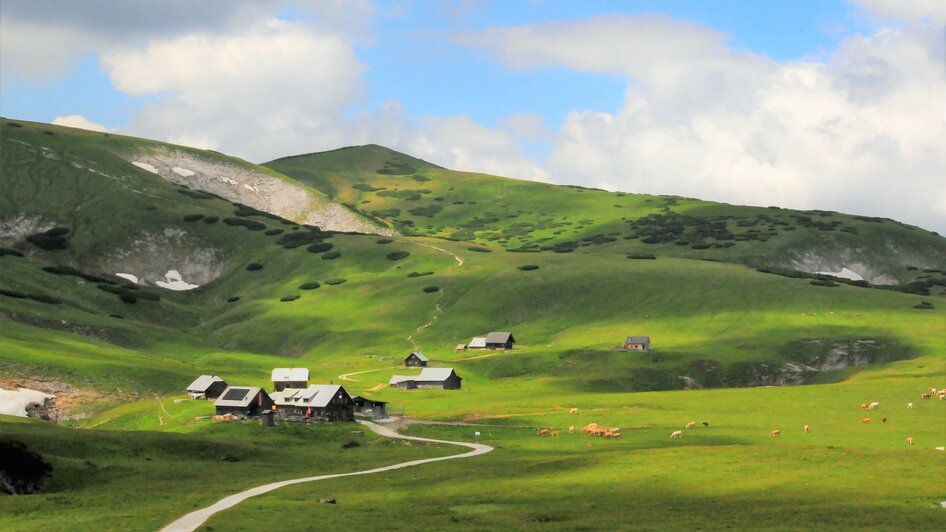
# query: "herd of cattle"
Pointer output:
{"type": "Point", "coordinates": [593, 429]}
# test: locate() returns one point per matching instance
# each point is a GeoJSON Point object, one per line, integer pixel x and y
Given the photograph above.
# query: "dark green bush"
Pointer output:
{"type": "Point", "coordinates": [286, 299]}
{"type": "Point", "coordinates": [420, 178]}
{"type": "Point", "coordinates": [12, 293]}
{"type": "Point", "coordinates": [335, 282]}
{"type": "Point", "coordinates": [332, 255]}
{"type": "Point", "coordinates": [233, 299]}
{"type": "Point", "coordinates": [68, 270]}
{"type": "Point", "coordinates": [294, 240]}
{"type": "Point", "coordinates": [527, 267]}
{"type": "Point", "coordinates": [419, 274]}
{"type": "Point", "coordinates": [193, 217]}
{"type": "Point", "coordinates": [365, 187]}
{"type": "Point", "coordinates": [642, 256]}
{"type": "Point", "coordinates": [254, 266]}
{"type": "Point", "coordinates": [196, 194]}
{"type": "Point", "coordinates": [43, 298]}
{"type": "Point", "coordinates": [117, 316]}
{"type": "Point", "coordinates": [428, 211]}
{"type": "Point", "coordinates": [387, 213]}
{"type": "Point", "coordinates": [321, 247]}
{"type": "Point", "coordinates": [9, 251]}
{"type": "Point", "coordinates": [309, 286]}
{"type": "Point", "coordinates": [127, 298]}
{"type": "Point", "coordinates": [923, 305]}
{"type": "Point", "coordinates": [252, 225]}
{"type": "Point", "coordinates": [431, 289]}
{"type": "Point", "coordinates": [274, 232]}
{"type": "Point", "coordinates": [823, 282]}
{"type": "Point", "coordinates": [14, 124]}
{"type": "Point", "coordinates": [479, 249]}
{"type": "Point", "coordinates": [384, 241]}
{"type": "Point", "coordinates": [211, 219]}
{"type": "Point", "coordinates": [398, 255]}
{"type": "Point", "coordinates": [54, 239]}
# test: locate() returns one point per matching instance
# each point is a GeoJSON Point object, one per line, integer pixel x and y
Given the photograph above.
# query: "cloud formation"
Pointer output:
{"type": "Point", "coordinates": [78, 121]}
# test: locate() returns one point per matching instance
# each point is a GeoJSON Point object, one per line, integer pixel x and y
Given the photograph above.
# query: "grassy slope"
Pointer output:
{"type": "Point", "coordinates": [567, 314]}
{"type": "Point", "coordinates": [523, 214]}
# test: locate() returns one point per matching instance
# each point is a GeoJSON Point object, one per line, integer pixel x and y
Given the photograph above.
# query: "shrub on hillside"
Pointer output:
{"type": "Point", "coordinates": [331, 255]}
{"type": "Point", "coordinates": [321, 247]}
{"type": "Point", "coordinates": [43, 298]}
{"type": "Point", "coordinates": [22, 471]}
{"type": "Point", "coordinates": [196, 194]}
{"type": "Point", "coordinates": [233, 299]}
{"type": "Point", "coordinates": [823, 282]}
{"type": "Point", "coordinates": [384, 241]}
{"type": "Point", "coordinates": [127, 298]}
{"type": "Point", "coordinates": [193, 217]}
{"type": "Point", "coordinates": [419, 274]}
{"type": "Point", "coordinates": [642, 256]}
{"type": "Point", "coordinates": [398, 255]}
{"type": "Point", "coordinates": [286, 299]}
{"type": "Point", "coordinates": [294, 240]}
{"type": "Point", "coordinates": [387, 213]}
{"type": "Point", "coordinates": [252, 225]}
{"type": "Point", "coordinates": [54, 239]}
{"type": "Point", "coordinates": [12, 293]}
{"type": "Point", "coordinates": [309, 286]}
{"type": "Point", "coordinates": [924, 305]}
{"type": "Point", "coordinates": [479, 249]}
{"type": "Point", "coordinates": [429, 211]}
{"type": "Point", "coordinates": [11, 252]}
{"type": "Point", "coordinates": [431, 289]}
{"type": "Point", "coordinates": [254, 266]}
{"type": "Point", "coordinates": [68, 270]}
{"type": "Point", "coordinates": [274, 232]}
{"type": "Point", "coordinates": [335, 282]}
{"type": "Point", "coordinates": [211, 219]}
{"type": "Point", "coordinates": [527, 267]}
{"type": "Point", "coordinates": [365, 187]}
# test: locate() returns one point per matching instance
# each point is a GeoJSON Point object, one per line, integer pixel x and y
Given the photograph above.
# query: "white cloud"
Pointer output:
{"type": "Point", "coordinates": [861, 132]}
{"type": "Point", "coordinates": [934, 10]}
{"type": "Point", "coordinates": [80, 122]}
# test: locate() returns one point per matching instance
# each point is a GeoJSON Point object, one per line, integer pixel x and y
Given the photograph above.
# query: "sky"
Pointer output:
{"type": "Point", "coordinates": [830, 104]}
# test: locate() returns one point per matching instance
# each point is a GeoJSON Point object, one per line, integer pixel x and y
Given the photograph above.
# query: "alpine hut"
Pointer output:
{"type": "Point", "coordinates": [369, 407]}
{"type": "Point", "coordinates": [429, 378]}
{"type": "Point", "coordinates": [415, 360]}
{"type": "Point", "coordinates": [207, 387]}
{"type": "Point", "coordinates": [499, 340]}
{"type": "Point", "coordinates": [243, 401]}
{"type": "Point", "coordinates": [637, 343]}
{"type": "Point", "coordinates": [477, 343]}
{"type": "Point", "coordinates": [318, 402]}
{"type": "Point", "coordinates": [290, 378]}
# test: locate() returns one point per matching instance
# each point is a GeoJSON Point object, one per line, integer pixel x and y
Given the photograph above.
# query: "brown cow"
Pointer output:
{"type": "Point", "coordinates": [864, 406]}
{"type": "Point", "coordinates": [555, 434]}
{"type": "Point", "coordinates": [925, 396]}
{"type": "Point", "coordinates": [543, 432]}
{"type": "Point", "coordinates": [705, 424]}
{"type": "Point", "coordinates": [775, 433]}
{"type": "Point", "coordinates": [865, 420]}
{"type": "Point", "coordinates": [690, 425]}
{"type": "Point", "coordinates": [807, 429]}
{"type": "Point", "coordinates": [909, 441]}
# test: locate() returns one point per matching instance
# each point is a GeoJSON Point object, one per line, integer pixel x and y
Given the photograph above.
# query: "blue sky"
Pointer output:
{"type": "Point", "coordinates": [805, 104]}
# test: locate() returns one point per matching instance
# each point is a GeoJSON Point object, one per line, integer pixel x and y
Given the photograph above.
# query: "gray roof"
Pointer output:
{"type": "Point", "coordinates": [290, 375]}
{"type": "Point", "coordinates": [203, 382]}
{"type": "Point", "coordinates": [477, 342]}
{"type": "Point", "coordinates": [638, 340]}
{"type": "Point", "coordinates": [426, 375]}
{"type": "Point", "coordinates": [499, 337]}
{"type": "Point", "coordinates": [317, 395]}
{"type": "Point", "coordinates": [420, 356]}
{"type": "Point", "coordinates": [234, 397]}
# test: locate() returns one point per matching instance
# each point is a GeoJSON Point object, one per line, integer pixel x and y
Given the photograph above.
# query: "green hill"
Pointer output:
{"type": "Point", "coordinates": [418, 198]}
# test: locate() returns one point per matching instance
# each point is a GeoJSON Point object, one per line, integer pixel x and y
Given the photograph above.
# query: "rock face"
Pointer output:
{"type": "Point", "coordinates": [249, 186]}
{"type": "Point", "coordinates": [149, 256]}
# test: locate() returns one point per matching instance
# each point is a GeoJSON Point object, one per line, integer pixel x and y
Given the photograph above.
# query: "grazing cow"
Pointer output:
{"type": "Point", "coordinates": [909, 405]}
{"type": "Point", "coordinates": [573, 411]}
{"type": "Point", "coordinates": [925, 396]}
{"type": "Point", "coordinates": [807, 429]}
{"type": "Point", "coordinates": [909, 441]}
{"type": "Point", "coordinates": [587, 429]}
{"type": "Point", "coordinates": [775, 433]}
{"type": "Point", "coordinates": [865, 406]}
{"type": "Point", "coordinates": [571, 430]}
{"type": "Point", "coordinates": [543, 432]}
{"type": "Point", "coordinates": [555, 434]}
{"type": "Point", "coordinates": [941, 395]}
{"type": "Point", "coordinates": [873, 405]}
{"type": "Point", "coordinates": [865, 420]}
{"type": "Point", "coordinates": [690, 425]}
{"type": "Point", "coordinates": [615, 434]}
{"type": "Point", "coordinates": [677, 434]}
{"type": "Point", "coordinates": [883, 419]}
{"type": "Point", "coordinates": [705, 424]}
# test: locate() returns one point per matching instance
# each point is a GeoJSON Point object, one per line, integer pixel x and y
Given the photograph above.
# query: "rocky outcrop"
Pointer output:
{"type": "Point", "coordinates": [253, 186]}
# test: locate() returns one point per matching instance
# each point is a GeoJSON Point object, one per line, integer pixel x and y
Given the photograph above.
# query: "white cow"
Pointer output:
{"type": "Point", "coordinates": [676, 434]}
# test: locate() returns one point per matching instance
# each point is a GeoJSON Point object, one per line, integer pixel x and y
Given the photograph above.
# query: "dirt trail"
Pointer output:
{"type": "Point", "coordinates": [437, 308]}
{"type": "Point", "coordinates": [198, 517]}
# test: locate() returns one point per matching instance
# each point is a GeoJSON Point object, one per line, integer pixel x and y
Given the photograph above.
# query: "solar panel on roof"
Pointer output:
{"type": "Point", "coordinates": [236, 394]}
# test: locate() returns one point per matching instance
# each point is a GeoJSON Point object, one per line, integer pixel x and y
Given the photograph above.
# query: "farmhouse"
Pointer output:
{"type": "Point", "coordinates": [415, 360]}
{"type": "Point", "coordinates": [318, 402]}
{"type": "Point", "coordinates": [477, 343]}
{"type": "Point", "coordinates": [290, 378]}
{"type": "Point", "coordinates": [207, 387]}
{"type": "Point", "coordinates": [370, 408]}
{"type": "Point", "coordinates": [429, 378]}
{"type": "Point", "coordinates": [637, 343]}
{"type": "Point", "coordinates": [499, 340]}
{"type": "Point", "coordinates": [243, 401]}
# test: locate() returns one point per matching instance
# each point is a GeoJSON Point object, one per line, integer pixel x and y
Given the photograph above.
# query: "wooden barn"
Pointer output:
{"type": "Point", "coordinates": [243, 401]}
{"type": "Point", "coordinates": [415, 360]}
{"type": "Point", "coordinates": [207, 387]}
{"type": "Point", "coordinates": [499, 340]}
{"type": "Point", "coordinates": [370, 408]}
{"type": "Point", "coordinates": [290, 378]}
{"type": "Point", "coordinates": [429, 378]}
{"type": "Point", "coordinates": [637, 343]}
{"type": "Point", "coordinates": [318, 402]}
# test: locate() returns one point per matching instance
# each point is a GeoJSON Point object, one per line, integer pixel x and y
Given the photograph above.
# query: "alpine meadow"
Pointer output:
{"type": "Point", "coordinates": [464, 265]}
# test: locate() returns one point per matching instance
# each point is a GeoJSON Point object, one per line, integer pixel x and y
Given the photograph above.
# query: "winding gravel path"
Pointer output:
{"type": "Point", "coordinates": [196, 518]}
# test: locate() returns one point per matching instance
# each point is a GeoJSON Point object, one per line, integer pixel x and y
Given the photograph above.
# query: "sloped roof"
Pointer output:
{"type": "Point", "coordinates": [239, 396]}
{"type": "Point", "coordinates": [499, 338]}
{"type": "Point", "coordinates": [637, 340]}
{"type": "Point", "coordinates": [420, 356]}
{"type": "Point", "coordinates": [397, 379]}
{"type": "Point", "coordinates": [203, 382]}
{"type": "Point", "coordinates": [316, 395]}
{"type": "Point", "coordinates": [434, 374]}
{"type": "Point", "coordinates": [477, 342]}
{"type": "Point", "coordinates": [290, 374]}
